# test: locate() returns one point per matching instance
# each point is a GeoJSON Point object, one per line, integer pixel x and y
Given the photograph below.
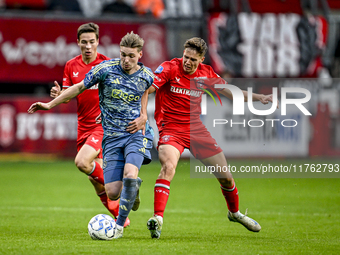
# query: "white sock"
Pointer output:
{"type": "Point", "coordinates": [160, 218]}
{"type": "Point", "coordinates": [119, 227]}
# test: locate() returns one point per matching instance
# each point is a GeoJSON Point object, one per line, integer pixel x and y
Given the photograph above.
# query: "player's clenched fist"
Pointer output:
{"type": "Point", "coordinates": [38, 106]}
{"type": "Point", "coordinates": [56, 90]}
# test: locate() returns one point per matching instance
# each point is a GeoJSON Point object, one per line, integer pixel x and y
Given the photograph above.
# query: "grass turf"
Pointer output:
{"type": "Point", "coordinates": [45, 208]}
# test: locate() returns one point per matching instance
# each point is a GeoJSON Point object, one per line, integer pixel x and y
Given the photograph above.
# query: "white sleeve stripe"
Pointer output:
{"type": "Point", "coordinates": [162, 185]}
{"type": "Point", "coordinates": [155, 85]}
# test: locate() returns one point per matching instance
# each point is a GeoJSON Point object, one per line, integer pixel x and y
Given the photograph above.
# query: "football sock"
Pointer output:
{"type": "Point", "coordinates": [127, 198]}
{"type": "Point", "coordinates": [161, 193]}
{"type": "Point", "coordinates": [231, 197]}
{"type": "Point", "coordinates": [111, 206]}
{"type": "Point", "coordinates": [97, 173]}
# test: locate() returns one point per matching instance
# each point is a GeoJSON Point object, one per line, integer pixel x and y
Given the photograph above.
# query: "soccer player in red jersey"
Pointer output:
{"type": "Point", "coordinates": [177, 116]}
{"type": "Point", "coordinates": [89, 159]}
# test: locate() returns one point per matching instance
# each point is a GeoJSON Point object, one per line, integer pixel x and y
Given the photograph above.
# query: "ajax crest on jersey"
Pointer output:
{"type": "Point", "coordinates": [101, 227]}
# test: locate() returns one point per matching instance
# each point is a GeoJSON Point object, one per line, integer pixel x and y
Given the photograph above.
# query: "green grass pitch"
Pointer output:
{"type": "Point", "coordinates": [45, 208]}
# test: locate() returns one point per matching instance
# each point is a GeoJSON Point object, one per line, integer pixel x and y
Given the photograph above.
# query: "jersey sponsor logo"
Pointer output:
{"type": "Point", "coordinates": [159, 69]}
{"type": "Point", "coordinates": [75, 74]}
{"type": "Point", "coordinates": [119, 94]}
{"type": "Point", "coordinates": [188, 92]}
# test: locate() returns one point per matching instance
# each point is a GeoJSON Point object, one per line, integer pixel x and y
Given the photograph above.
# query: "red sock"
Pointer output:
{"type": "Point", "coordinates": [112, 206]}
{"type": "Point", "coordinates": [161, 191]}
{"type": "Point", "coordinates": [97, 173]}
{"type": "Point", "coordinates": [231, 196]}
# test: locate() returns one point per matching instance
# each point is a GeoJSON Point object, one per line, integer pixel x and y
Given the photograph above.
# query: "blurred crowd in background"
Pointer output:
{"type": "Point", "coordinates": [171, 8]}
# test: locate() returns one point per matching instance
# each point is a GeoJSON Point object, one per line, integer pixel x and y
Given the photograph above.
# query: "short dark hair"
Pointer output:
{"type": "Point", "coordinates": [132, 40]}
{"type": "Point", "coordinates": [197, 44]}
{"type": "Point", "coordinates": [88, 28]}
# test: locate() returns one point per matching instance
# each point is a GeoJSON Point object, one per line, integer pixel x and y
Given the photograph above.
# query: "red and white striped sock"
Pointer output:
{"type": "Point", "coordinates": [97, 173]}
{"type": "Point", "coordinates": [231, 197]}
{"type": "Point", "coordinates": [161, 192]}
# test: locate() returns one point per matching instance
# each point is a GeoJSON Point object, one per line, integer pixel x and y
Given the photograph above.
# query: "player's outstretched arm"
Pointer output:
{"type": "Point", "coordinates": [67, 95]}
{"type": "Point", "coordinates": [264, 99]}
{"type": "Point", "coordinates": [226, 92]}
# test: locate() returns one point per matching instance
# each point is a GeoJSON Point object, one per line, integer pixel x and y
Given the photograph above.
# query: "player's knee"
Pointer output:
{"type": "Point", "coordinates": [130, 175]}
{"type": "Point", "coordinates": [82, 165]}
{"type": "Point", "coordinates": [168, 170]}
{"type": "Point", "coordinates": [169, 167]}
{"type": "Point", "coordinates": [113, 194]}
{"type": "Point", "coordinates": [113, 190]}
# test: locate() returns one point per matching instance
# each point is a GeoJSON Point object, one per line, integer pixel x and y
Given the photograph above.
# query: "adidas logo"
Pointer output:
{"type": "Point", "coordinates": [123, 207]}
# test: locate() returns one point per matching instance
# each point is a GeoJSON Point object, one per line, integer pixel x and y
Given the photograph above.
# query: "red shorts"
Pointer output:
{"type": "Point", "coordinates": [200, 142]}
{"type": "Point", "coordinates": [93, 138]}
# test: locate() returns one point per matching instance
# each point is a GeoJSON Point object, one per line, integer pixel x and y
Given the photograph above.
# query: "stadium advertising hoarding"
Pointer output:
{"type": "Point", "coordinates": [47, 132]}
{"type": "Point", "coordinates": [36, 50]}
{"type": "Point", "coordinates": [267, 45]}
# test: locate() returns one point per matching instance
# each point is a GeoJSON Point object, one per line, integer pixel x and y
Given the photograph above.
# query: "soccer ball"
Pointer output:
{"type": "Point", "coordinates": [101, 227]}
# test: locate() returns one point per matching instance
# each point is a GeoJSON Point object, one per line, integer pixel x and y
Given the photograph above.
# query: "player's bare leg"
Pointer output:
{"type": "Point", "coordinates": [88, 163]}
{"type": "Point", "coordinates": [230, 192]}
{"type": "Point", "coordinates": [168, 157]}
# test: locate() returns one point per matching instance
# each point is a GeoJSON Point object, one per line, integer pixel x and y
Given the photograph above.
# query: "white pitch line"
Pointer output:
{"type": "Point", "coordinates": [182, 211]}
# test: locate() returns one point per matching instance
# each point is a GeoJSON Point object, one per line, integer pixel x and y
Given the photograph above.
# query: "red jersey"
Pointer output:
{"type": "Point", "coordinates": [88, 101]}
{"type": "Point", "coordinates": [177, 100]}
